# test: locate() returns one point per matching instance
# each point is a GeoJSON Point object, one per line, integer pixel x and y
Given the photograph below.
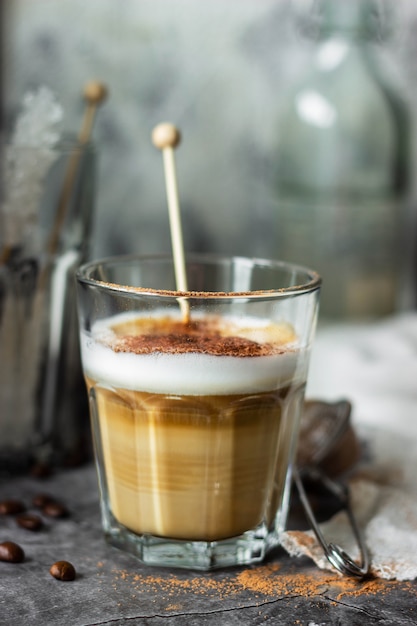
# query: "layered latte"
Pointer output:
{"type": "Point", "coordinates": [194, 420]}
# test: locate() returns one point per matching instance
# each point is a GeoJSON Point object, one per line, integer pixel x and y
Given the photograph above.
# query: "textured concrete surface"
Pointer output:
{"type": "Point", "coordinates": [114, 588]}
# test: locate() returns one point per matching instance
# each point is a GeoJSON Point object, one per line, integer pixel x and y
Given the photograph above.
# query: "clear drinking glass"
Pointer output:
{"type": "Point", "coordinates": [43, 404]}
{"type": "Point", "coordinates": [195, 401]}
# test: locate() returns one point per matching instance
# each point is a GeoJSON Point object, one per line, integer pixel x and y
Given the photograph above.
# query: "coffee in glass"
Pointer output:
{"type": "Point", "coordinates": [195, 421]}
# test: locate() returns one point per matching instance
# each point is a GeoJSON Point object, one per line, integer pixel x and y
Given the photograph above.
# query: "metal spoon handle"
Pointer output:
{"type": "Point", "coordinates": [334, 554]}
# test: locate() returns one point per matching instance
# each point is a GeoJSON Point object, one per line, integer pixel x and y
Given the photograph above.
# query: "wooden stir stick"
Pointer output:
{"type": "Point", "coordinates": [95, 93]}
{"type": "Point", "coordinates": [166, 137]}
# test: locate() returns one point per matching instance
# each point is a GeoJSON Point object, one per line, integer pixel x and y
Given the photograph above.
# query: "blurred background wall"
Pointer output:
{"type": "Point", "coordinates": [220, 70]}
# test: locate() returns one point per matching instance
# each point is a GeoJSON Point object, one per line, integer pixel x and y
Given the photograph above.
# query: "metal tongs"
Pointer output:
{"type": "Point", "coordinates": [334, 422]}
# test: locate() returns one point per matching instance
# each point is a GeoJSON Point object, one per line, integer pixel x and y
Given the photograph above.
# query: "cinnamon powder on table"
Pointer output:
{"type": "Point", "coordinates": [265, 581]}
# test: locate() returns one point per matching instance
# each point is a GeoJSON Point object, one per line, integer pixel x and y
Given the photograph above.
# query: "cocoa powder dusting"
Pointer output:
{"type": "Point", "coordinates": [147, 335]}
{"type": "Point", "coordinates": [265, 581]}
{"type": "Point", "coordinates": [180, 344]}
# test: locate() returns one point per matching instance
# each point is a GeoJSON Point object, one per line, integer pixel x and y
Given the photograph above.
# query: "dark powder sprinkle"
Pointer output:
{"type": "Point", "coordinates": [180, 344]}
{"type": "Point", "coordinates": [269, 580]}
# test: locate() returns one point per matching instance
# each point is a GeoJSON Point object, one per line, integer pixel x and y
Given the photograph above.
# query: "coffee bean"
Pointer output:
{"type": "Point", "coordinates": [62, 570]}
{"type": "Point", "coordinates": [11, 552]}
{"type": "Point", "coordinates": [55, 509]}
{"type": "Point", "coordinates": [11, 507]}
{"type": "Point", "coordinates": [30, 521]}
{"type": "Point", "coordinates": [41, 470]}
{"type": "Point", "coordinates": [41, 500]}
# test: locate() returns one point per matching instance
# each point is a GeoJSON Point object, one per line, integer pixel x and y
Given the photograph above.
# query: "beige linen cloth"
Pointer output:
{"type": "Point", "coordinates": [376, 361]}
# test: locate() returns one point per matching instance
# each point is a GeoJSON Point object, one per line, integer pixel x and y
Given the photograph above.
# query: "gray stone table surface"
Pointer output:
{"type": "Point", "coordinates": [112, 587]}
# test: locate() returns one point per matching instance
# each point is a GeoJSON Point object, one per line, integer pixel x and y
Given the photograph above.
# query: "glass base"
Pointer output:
{"type": "Point", "coordinates": [251, 547]}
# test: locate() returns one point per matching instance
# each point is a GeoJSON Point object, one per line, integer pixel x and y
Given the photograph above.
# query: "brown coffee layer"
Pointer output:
{"type": "Point", "coordinates": [200, 468]}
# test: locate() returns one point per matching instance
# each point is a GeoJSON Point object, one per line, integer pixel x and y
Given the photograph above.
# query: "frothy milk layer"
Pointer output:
{"type": "Point", "coordinates": [212, 357]}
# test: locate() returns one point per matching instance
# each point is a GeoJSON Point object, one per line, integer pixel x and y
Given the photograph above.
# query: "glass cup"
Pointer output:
{"type": "Point", "coordinates": [195, 400]}
{"type": "Point", "coordinates": [43, 403]}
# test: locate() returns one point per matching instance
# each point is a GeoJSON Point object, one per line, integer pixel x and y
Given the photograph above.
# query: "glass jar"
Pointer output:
{"type": "Point", "coordinates": [341, 176]}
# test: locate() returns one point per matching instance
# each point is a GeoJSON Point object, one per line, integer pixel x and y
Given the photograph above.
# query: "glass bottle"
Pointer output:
{"type": "Point", "coordinates": [341, 177]}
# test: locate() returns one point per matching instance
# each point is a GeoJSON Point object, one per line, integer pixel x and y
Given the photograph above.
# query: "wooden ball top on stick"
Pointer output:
{"type": "Point", "coordinates": [95, 92]}
{"type": "Point", "coordinates": [166, 135]}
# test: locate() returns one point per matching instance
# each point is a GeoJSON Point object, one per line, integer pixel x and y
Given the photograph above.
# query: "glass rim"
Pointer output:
{"type": "Point", "coordinates": [312, 284]}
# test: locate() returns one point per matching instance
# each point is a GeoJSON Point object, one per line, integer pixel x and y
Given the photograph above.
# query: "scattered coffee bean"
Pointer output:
{"type": "Point", "coordinates": [11, 507]}
{"type": "Point", "coordinates": [41, 500]}
{"type": "Point", "coordinates": [30, 521]}
{"type": "Point", "coordinates": [41, 470]}
{"type": "Point", "coordinates": [62, 570]}
{"type": "Point", "coordinates": [11, 552]}
{"type": "Point", "coordinates": [55, 509]}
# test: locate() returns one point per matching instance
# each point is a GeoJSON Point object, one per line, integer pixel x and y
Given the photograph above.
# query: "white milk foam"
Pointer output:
{"type": "Point", "coordinates": [189, 373]}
